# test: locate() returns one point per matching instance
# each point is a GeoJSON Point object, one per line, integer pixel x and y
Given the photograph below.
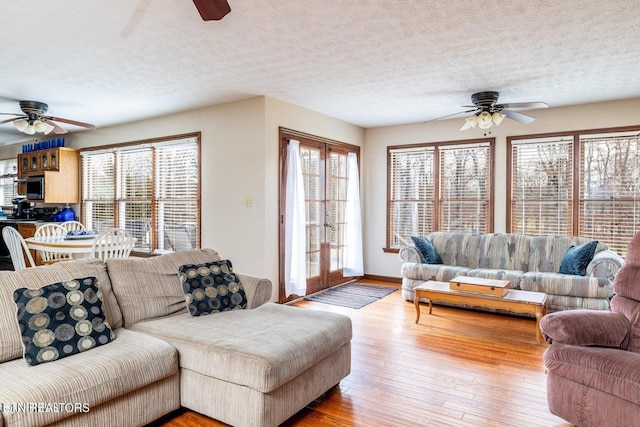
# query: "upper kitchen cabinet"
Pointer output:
{"type": "Point", "coordinates": [60, 169]}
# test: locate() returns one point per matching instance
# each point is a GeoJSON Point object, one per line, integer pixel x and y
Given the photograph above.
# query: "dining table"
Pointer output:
{"type": "Point", "coordinates": [77, 247]}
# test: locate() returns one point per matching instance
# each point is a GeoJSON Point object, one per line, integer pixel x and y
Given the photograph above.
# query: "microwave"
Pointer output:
{"type": "Point", "coordinates": [35, 187]}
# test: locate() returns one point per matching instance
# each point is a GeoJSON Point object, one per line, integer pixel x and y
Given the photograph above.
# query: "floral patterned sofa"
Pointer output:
{"type": "Point", "coordinates": [530, 263]}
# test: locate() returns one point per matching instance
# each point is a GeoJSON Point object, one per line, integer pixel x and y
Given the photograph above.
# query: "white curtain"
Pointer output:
{"type": "Point", "coordinates": [353, 264]}
{"type": "Point", "coordinates": [295, 272]}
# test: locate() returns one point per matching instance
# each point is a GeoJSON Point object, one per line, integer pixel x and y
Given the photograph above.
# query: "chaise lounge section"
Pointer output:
{"type": "Point", "coordinates": [253, 367]}
{"type": "Point", "coordinates": [530, 263]}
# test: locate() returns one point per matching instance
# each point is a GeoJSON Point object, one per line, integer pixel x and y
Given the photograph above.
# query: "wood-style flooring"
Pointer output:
{"type": "Point", "coordinates": [455, 368]}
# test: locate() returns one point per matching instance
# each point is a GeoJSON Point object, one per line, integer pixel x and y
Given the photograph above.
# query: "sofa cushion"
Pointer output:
{"type": "Point", "coordinates": [261, 348]}
{"type": "Point", "coordinates": [512, 276]}
{"type": "Point", "coordinates": [211, 287]}
{"type": "Point", "coordinates": [563, 284]}
{"type": "Point", "coordinates": [456, 248]}
{"type": "Point", "coordinates": [90, 378]}
{"type": "Point", "coordinates": [504, 251]}
{"type": "Point", "coordinates": [546, 252]}
{"type": "Point", "coordinates": [576, 259]}
{"type": "Point", "coordinates": [426, 250]}
{"type": "Point", "coordinates": [61, 319]}
{"type": "Point", "coordinates": [10, 340]}
{"type": "Point", "coordinates": [438, 272]}
{"type": "Point", "coordinates": [147, 288]}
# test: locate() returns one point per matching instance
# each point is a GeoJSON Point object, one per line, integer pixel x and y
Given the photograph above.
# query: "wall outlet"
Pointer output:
{"type": "Point", "coordinates": [248, 202]}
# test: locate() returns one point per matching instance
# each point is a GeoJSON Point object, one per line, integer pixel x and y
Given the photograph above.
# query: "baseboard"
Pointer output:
{"type": "Point", "coordinates": [383, 278]}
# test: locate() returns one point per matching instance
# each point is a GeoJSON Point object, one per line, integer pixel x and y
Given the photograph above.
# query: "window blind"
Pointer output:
{"type": "Point", "coordinates": [609, 189]}
{"type": "Point", "coordinates": [177, 187]}
{"type": "Point", "coordinates": [151, 189]}
{"type": "Point", "coordinates": [412, 193]}
{"type": "Point", "coordinates": [542, 187]}
{"type": "Point", "coordinates": [465, 188]}
{"type": "Point", "coordinates": [8, 174]}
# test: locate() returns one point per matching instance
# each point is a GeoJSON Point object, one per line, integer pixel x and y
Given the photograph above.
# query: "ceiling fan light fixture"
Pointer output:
{"type": "Point", "coordinates": [42, 127]}
{"type": "Point", "coordinates": [30, 129]}
{"type": "Point", "coordinates": [470, 122]}
{"type": "Point", "coordinates": [484, 119]}
{"type": "Point", "coordinates": [497, 117]}
{"type": "Point", "coordinates": [21, 124]}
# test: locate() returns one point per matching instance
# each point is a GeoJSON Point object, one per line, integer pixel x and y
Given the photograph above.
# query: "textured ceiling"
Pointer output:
{"type": "Point", "coordinates": [368, 62]}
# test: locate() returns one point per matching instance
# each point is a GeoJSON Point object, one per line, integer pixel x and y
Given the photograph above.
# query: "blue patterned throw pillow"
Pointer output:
{"type": "Point", "coordinates": [427, 251]}
{"type": "Point", "coordinates": [576, 259]}
{"type": "Point", "coordinates": [212, 287]}
{"type": "Point", "coordinates": [61, 319]}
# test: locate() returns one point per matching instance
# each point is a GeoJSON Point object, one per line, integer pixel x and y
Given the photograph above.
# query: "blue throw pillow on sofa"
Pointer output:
{"type": "Point", "coordinates": [427, 251]}
{"type": "Point", "coordinates": [576, 259]}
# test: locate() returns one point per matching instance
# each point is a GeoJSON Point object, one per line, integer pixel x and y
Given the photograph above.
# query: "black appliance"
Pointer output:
{"type": "Point", "coordinates": [35, 187]}
{"type": "Point", "coordinates": [21, 208]}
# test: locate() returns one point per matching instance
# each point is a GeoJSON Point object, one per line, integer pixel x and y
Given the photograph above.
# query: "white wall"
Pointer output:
{"type": "Point", "coordinates": [589, 116]}
{"type": "Point", "coordinates": [239, 160]}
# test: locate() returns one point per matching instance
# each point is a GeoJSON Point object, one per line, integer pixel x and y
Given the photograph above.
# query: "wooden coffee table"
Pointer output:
{"type": "Point", "coordinates": [514, 302]}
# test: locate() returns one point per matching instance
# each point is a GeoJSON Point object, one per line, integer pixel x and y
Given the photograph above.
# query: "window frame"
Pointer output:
{"type": "Point", "coordinates": [437, 196]}
{"type": "Point", "coordinates": [578, 139]}
{"type": "Point", "coordinates": [155, 199]}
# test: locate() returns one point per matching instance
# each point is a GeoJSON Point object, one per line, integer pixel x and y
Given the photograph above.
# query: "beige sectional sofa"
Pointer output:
{"type": "Point", "coordinates": [530, 263]}
{"type": "Point", "coordinates": [251, 367]}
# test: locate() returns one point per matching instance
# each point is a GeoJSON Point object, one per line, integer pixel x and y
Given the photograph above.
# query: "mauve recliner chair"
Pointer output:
{"type": "Point", "coordinates": [593, 362]}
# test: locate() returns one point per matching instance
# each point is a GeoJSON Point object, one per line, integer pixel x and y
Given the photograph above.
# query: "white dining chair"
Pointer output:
{"type": "Point", "coordinates": [18, 249]}
{"type": "Point", "coordinates": [113, 243]}
{"type": "Point", "coordinates": [72, 225]}
{"type": "Point", "coordinates": [51, 232]}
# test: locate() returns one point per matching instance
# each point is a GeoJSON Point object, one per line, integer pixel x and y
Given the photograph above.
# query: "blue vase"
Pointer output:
{"type": "Point", "coordinates": [67, 214]}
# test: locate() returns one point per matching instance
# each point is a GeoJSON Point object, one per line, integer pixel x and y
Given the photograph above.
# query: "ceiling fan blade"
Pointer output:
{"type": "Point", "coordinates": [56, 129]}
{"type": "Point", "coordinates": [212, 10]}
{"type": "Point", "coordinates": [518, 117]}
{"type": "Point", "coordinates": [524, 105]}
{"type": "Point", "coordinates": [451, 115]}
{"type": "Point", "coordinates": [10, 120]}
{"type": "Point", "coordinates": [71, 122]}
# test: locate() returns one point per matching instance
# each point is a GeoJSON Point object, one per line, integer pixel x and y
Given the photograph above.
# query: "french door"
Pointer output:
{"type": "Point", "coordinates": [324, 171]}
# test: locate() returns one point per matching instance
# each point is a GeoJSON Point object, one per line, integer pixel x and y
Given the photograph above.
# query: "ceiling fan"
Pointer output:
{"type": "Point", "coordinates": [487, 112]}
{"type": "Point", "coordinates": [34, 120]}
{"type": "Point", "coordinates": [212, 10]}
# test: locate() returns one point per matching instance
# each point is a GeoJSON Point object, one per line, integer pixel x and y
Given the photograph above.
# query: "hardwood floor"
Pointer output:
{"type": "Point", "coordinates": [455, 368]}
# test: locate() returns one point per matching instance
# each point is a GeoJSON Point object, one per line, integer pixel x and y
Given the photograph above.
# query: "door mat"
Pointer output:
{"type": "Point", "coordinates": [351, 295]}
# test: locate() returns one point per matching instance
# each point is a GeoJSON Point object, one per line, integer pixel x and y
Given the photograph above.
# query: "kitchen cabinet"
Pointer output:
{"type": "Point", "coordinates": [60, 168]}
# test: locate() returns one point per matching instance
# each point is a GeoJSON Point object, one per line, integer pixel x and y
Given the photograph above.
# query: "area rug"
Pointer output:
{"type": "Point", "coordinates": [351, 295]}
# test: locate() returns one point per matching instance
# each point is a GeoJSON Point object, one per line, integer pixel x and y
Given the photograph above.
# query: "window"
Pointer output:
{"type": "Point", "coordinates": [542, 186]}
{"type": "Point", "coordinates": [577, 184]}
{"type": "Point", "coordinates": [609, 203]}
{"type": "Point", "coordinates": [8, 175]}
{"type": "Point", "coordinates": [150, 188]}
{"type": "Point", "coordinates": [440, 186]}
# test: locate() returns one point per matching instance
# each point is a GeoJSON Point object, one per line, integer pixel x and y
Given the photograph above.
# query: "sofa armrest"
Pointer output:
{"type": "Point", "coordinates": [258, 289]}
{"type": "Point", "coordinates": [605, 264]}
{"type": "Point", "coordinates": [586, 328]}
{"type": "Point", "coordinates": [409, 254]}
